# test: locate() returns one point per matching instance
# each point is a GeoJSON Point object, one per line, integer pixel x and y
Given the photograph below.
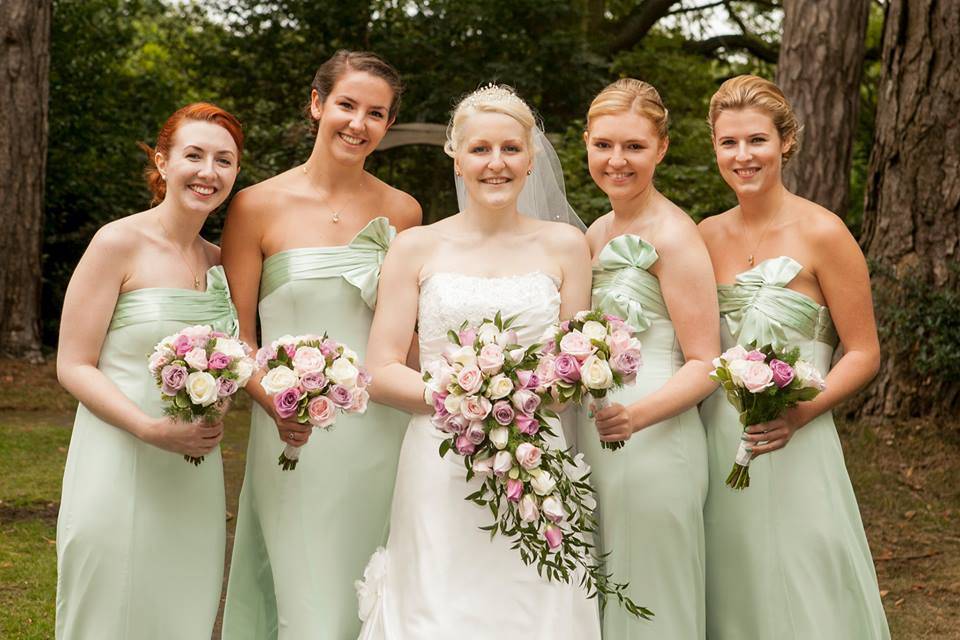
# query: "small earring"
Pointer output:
{"type": "Point", "coordinates": [163, 177]}
{"type": "Point", "coordinates": [529, 171]}
{"type": "Point", "coordinates": [457, 173]}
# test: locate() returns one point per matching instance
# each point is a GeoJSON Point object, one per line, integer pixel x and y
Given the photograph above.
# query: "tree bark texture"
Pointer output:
{"type": "Point", "coordinates": [819, 70]}
{"type": "Point", "coordinates": [24, 88]}
{"type": "Point", "coordinates": [912, 211]}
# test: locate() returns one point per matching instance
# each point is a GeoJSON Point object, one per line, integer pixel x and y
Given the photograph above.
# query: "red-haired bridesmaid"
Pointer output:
{"type": "Point", "coordinates": [140, 535]}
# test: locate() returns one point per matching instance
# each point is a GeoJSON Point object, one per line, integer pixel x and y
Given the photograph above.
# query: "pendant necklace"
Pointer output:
{"type": "Point", "coordinates": [743, 221]}
{"type": "Point", "coordinates": [196, 278]}
{"type": "Point", "coordinates": [335, 217]}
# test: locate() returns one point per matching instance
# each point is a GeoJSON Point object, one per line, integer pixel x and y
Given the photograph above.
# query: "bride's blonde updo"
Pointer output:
{"type": "Point", "coordinates": [492, 98]}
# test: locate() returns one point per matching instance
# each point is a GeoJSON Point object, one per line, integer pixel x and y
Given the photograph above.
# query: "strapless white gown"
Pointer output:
{"type": "Point", "coordinates": [440, 576]}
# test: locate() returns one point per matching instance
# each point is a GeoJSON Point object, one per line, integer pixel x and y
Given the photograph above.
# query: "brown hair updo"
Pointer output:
{"type": "Point", "coordinates": [344, 61]}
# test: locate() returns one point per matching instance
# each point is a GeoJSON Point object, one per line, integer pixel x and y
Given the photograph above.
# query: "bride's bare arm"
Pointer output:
{"type": "Point", "coordinates": [573, 253]}
{"type": "Point", "coordinates": [394, 383]}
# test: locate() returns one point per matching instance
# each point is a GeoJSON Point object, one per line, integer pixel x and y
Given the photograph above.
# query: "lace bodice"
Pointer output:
{"type": "Point", "coordinates": [447, 299]}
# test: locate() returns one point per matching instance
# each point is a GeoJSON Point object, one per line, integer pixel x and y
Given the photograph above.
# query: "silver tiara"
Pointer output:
{"type": "Point", "coordinates": [491, 93]}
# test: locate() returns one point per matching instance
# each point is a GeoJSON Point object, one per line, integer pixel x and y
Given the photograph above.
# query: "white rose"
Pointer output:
{"type": "Point", "coordinates": [350, 355]}
{"type": "Point", "coordinates": [808, 375]}
{"type": "Point", "coordinates": [500, 387]}
{"type": "Point", "coordinates": [553, 508]}
{"type": "Point", "coordinates": [594, 330]}
{"type": "Point", "coordinates": [452, 403]}
{"type": "Point", "coordinates": [464, 356]}
{"type": "Point", "coordinates": [243, 367]}
{"type": "Point", "coordinates": [283, 341]}
{"type": "Point", "coordinates": [502, 463]}
{"type": "Point", "coordinates": [308, 359]}
{"type": "Point", "coordinates": [229, 347]}
{"type": "Point", "coordinates": [196, 358]}
{"type": "Point", "coordinates": [499, 437]}
{"type": "Point", "coordinates": [596, 374]}
{"type": "Point", "coordinates": [487, 333]}
{"type": "Point", "coordinates": [202, 388]}
{"type": "Point", "coordinates": [542, 482]}
{"type": "Point", "coordinates": [528, 508]}
{"type": "Point", "coordinates": [343, 372]}
{"type": "Point", "coordinates": [278, 379]}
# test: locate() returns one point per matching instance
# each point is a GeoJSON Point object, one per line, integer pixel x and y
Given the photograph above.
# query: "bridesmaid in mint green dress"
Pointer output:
{"type": "Point", "coordinates": [651, 269]}
{"type": "Point", "coordinates": [140, 534]}
{"type": "Point", "coordinates": [786, 557]}
{"type": "Point", "coordinates": [303, 251]}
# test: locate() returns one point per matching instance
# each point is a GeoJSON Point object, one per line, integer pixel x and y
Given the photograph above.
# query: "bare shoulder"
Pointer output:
{"type": "Point", "coordinates": [212, 250]}
{"type": "Point", "coordinates": [560, 236]}
{"type": "Point", "coordinates": [259, 199]}
{"type": "Point", "coordinates": [822, 225]}
{"type": "Point", "coordinates": [675, 227]}
{"type": "Point", "coordinates": [398, 206]}
{"type": "Point", "coordinates": [414, 240]}
{"type": "Point", "coordinates": [121, 238]}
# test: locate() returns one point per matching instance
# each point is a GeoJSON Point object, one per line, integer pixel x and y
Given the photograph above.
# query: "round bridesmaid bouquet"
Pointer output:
{"type": "Point", "coordinates": [198, 370]}
{"type": "Point", "coordinates": [312, 379]}
{"type": "Point", "coordinates": [489, 397]}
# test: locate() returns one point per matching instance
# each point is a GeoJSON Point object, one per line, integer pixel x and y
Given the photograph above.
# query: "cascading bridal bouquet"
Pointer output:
{"type": "Point", "coordinates": [761, 384]}
{"type": "Point", "coordinates": [311, 378]}
{"type": "Point", "coordinates": [198, 370]}
{"type": "Point", "coordinates": [489, 399]}
{"type": "Point", "coordinates": [590, 355]}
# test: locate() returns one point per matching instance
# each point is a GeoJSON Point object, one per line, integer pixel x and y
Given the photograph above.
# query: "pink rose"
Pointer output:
{"type": "Point", "coordinates": [782, 373]}
{"type": "Point", "coordinates": [514, 490]}
{"type": "Point", "coordinates": [756, 356]}
{"type": "Point", "coordinates": [576, 344]}
{"type": "Point", "coordinates": [226, 387]}
{"type": "Point", "coordinates": [567, 367]}
{"type": "Point", "coordinates": [475, 407]}
{"type": "Point", "coordinates": [182, 344]}
{"type": "Point", "coordinates": [526, 401]}
{"type": "Point", "coordinates": [308, 359]}
{"type": "Point", "coordinates": [218, 361]}
{"type": "Point", "coordinates": [527, 424]}
{"type": "Point", "coordinates": [173, 378]}
{"type": "Point", "coordinates": [490, 359]}
{"type": "Point", "coordinates": [286, 402]}
{"type": "Point", "coordinates": [470, 379]}
{"type": "Point", "coordinates": [359, 402]}
{"type": "Point", "coordinates": [502, 463]}
{"type": "Point", "coordinates": [321, 411]}
{"type": "Point", "coordinates": [528, 455]}
{"type": "Point", "coordinates": [619, 341]}
{"type": "Point", "coordinates": [313, 381]}
{"type": "Point", "coordinates": [475, 433]}
{"type": "Point", "coordinates": [554, 536]}
{"type": "Point", "coordinates": [503, 413]}
{"type": "Point", "coordinates": [565, 326]}
{"type": "Point", "coordinates": [528, 379]}
{"type": "Point", "coordinates": [616, 322]}
{"type": "Point", "coordinates": [467, 336]}
{"type": "Point", "coordinates": [196, 358]}
{"type": "Point", "coordinates": [755, 376]}
{"type": "Point", "coordinates": [626, 363]}
{"type": "Point", "coordinates": [264, 355]}
{"type": "Point", "coordinates": [546, 370]}
{"type": "Point", "coordinates": [528, 509]}
{"type": "Point", "coordinates": [290, 349]}
{"type": "Point", "coordinates": [464, 446]}
{"type": "Point", "coordinates": [330, 348]}
{"type": "Point", "coordinates": [340, 396]}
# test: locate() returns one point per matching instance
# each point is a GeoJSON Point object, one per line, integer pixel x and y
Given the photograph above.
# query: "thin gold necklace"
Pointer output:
{"type": "Point", "coordinates": [196, 278]}
{"type": "Point", "coordinates": [743, 221]}
{"type": "Point", "coordinates": [335, 218]}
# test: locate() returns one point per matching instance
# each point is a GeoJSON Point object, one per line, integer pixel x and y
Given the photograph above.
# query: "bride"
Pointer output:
{"type": "Point", "coordinates": [440, 576]}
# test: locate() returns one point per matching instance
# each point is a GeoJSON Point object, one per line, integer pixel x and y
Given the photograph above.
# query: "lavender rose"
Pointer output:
{"type": "Point", "coordinates": [286, 402]}
{"type": "Point", "coordinates": [475, 432]}
{"type": "Point", "coordinates": [464, 446]}
{"type": "Point", "coordinates": [567, 367]}
{"type": "Point", "coordinates": [526, 401]}
{"type": "Point", "coordinates": [173, 378]}
{"type": "Point", "coordinates": [782, 373]}
{"type": "Point", "coordinates": [626, 363]}
{"type": "Point", "coordinates": [226, 387]}
{"type": "Point", "coordinates": [527, 424]}
{"type": "Point", "coordinates": [340, 396]}
{"type": "Point", "coordinates": [313, 381]}
{"type": "Point", "coordinates": [503, 413]}
{"type": "Point", "coordinates": [218, 360]}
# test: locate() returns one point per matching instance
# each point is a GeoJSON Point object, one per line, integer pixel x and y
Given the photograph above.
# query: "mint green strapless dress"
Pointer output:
{"type": "Point", "coordinates": [787, 557]}
{"type": "Point", "coordinates": [140, 534]}
{"type": "Point", "coordinates": [304, 536]}
{"type": "Point", "coordinates": [651, 491]}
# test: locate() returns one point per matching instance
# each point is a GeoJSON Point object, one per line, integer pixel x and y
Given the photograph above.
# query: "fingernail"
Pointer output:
{"type": "Point", "coordinates": [748, 449]}
{"type": "Point", "coordinates": [590, 415]}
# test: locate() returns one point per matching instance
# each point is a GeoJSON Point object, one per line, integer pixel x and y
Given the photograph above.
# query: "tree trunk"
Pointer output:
{"type": "Point", "coordinates": [819, 69]}
{"type": "Point", "coordinates": [24, 80]}
{"type": "Point", "coordinates": [912, 213]}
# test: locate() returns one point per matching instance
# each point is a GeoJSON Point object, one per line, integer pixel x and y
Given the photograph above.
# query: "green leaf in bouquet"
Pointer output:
{"type": "Point", "coordinates": [498, 321]}
{"type": "Point", "coordinates": [549, 413]}
{"type": "Point", "coordinates": [445, 446]}
{"type": "Point", "coordinates": [182, 399]}
{"type": "Point", "coordinates": [453, 337]}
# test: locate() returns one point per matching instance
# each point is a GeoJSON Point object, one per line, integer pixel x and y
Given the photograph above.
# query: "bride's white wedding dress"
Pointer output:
{"type": "Point", "coordinates": [440, 576]}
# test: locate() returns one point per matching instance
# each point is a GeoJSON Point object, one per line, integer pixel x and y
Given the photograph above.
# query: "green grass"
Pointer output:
{"type": "Point", "coordinates": [905, 476]}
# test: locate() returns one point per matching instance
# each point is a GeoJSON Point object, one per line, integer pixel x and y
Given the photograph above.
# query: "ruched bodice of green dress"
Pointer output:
{"type": "Point", "coordinates": [787, 558]}
{"type": "Point", "coordinates": [304, 536]}
{"type": "Point", "coordinates": [140, 534]}
{"type": "Point", "coordinates": [651, 491]}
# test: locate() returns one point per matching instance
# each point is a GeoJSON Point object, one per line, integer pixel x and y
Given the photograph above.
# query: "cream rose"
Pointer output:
{"type": "Point", "coordinates": [243, 368]}
{"type": "Point", "coordinates": [553, 508]}
{"type": "Point", "coordinates": [500, 387]}
{"type": "Point", "coordinates": [808, 375]}
{"type": "Point", "coordinates": [594, 330]}
{"type": "Point", "coordinates": [487, 333]}
{"type": "Point", "coordinates": [542, 482]}
{"type": "Point", "coordinates": [464, 356]}
{"type": "Point", "coordinates": [343, 372]}
{"type": "Point", "coordinates": [596, 374]}
{"type": "Point", "coordinates": [278, 379]}
{"type": "Point", "coordinates": [452, 403]}
{"type": "Point", "coordinates": [528, 508]}
{"type": "Point", "coordinates": [202, 388]}
{"type": "Point", "coordinates": [230, 347]}
{"type": "Point", "coordinates": [499, 437]}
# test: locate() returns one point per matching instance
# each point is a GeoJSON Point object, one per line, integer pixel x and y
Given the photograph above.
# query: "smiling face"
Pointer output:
{"type": "Point", "coordinates": [355, 116]}
{"type": "Point", "coordinates": [623, 151]}
{"type": "Point", "coordinates": [749, 150]}
{"type": "Point", "coordinates": [202, 166]}
{"type": "Point", "coordinates": [493, 157]}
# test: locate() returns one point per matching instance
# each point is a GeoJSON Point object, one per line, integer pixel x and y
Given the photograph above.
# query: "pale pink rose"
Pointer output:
{"type": "Point", "coordinates": [506, 338]}
{"type": "Point", "coordinates": [264, 355]}
{"type": "Point", "coordinates": [330, 348]}
{"type": "Point", "coordinates": [528, 379]}
{"type": "Point", "coordinates": [313, 381]}
{"type": "Point", "coordinates": [483, 467]}
{"type": "Point", "coordinates": [527, 424]}
{"type": "Point", "coordinates": [503, 413]}
{"type": "Point", "coordinates": [321, 411]}
{"type": "Point", "coordinates": [514, 490]}
{"type": "Point", "coordinates": [196, 358]}
{"type": "Point", "coordinates": [546, 370]}
{"type": "Point", "coordinates": [626, 363]}
{"type": "Point", "coordinates": [576, 344]}
{"type": "Point", "coordinates": [554, 536]}
{"type": "Point", "coordinates": [464, 446]}
{"type": "Point", "coordinates": [755, 376]}
{"type": "Point", "coordinates": [782, 373]}
{"type": "Point", "coordinates": [158, 360]}
{"type": "Point", "coordinates": [218, 361]}
{"type": "Point", "coordinates": [360, 399]}
{"type": "Point", "coordinates": [475, 432]}
{"type": "Point", "coordinates": [490, 359]}
{"type": "Point", "coordinates": [528, 455]}
{"type": "Point", "coordinates": [199, 334]}
{"type": "Point", "coordinates": [364, 379]}
{"type": "Point", "coordinates": [756, 356]}
{"type": "Point", "coordinates": [173, 377]}
{"type": "Point", "coordinates": [340, 396]}
{"type": "Point", "coordinates": [567, 367]}
{"type": "Point", "coordinates": [286, 402]}
{"type": "Point", "coordinates": [467, 336]}
{"type": "Point", "coordinates": [736, 352]}
{"type": "Point", "coordinates": [308, 359]}
{"type": "Point", "coordinates": [528, 509]}
{"type": "Point", "coordinates": [616, 322]}
{"type": "Point", "coordinates": [525, 401]}
{"type": "Point", "coordinates": [470, 379]}
{"type": "Point", "coordinates": [553, 508]}
{"type": "Point", "coordinates": [475, 407]}
{"type": "Point", "coordinates": [618, 341]}
{"type": "Point", "coordinates": [502, 463]}
{"type": "Point", "coordinates": [226, 387]}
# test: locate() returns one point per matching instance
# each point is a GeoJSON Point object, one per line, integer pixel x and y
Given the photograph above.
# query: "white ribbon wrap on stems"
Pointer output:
{"type": "Point", "coordinates": [743, 454]}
